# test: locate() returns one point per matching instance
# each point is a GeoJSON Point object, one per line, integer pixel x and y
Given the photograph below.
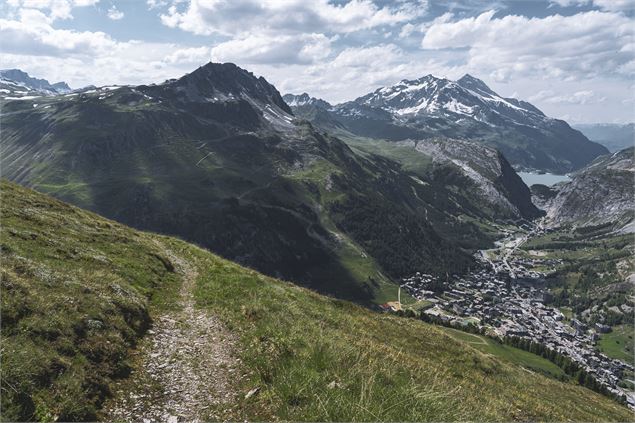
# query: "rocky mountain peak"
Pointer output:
{"type": "Point", "coordinates": [466, 97]}
{"type": "Point", "coordinates": [472, 83]}
{"type": "Point", "coordinates": [226, 81]}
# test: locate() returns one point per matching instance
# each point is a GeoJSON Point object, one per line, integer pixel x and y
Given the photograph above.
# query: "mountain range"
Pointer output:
{"type": "Point", "coordinates": [101, 321]}
{"type": "Point", "coordinates": [466, 109]}
{"type": "Point", "coordinates": [218, 158]}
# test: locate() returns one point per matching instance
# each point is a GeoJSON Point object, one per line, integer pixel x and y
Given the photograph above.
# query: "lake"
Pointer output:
{"type": "Point", "coordinates": [545, 178]}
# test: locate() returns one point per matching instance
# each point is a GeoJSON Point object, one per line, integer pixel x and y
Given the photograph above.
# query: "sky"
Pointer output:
{"type": "Point", "coordinates": [574, 59]}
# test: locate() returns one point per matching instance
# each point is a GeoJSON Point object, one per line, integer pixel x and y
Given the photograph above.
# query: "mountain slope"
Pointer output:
{"type": "Point", "coordinates": [613, 136]}
{"type": "Point", "coordinates": [504, 193]}
{"type": "Point", "coordinates": [215, 157]}
{"type": "Point", "coordinates": [79, 290]}
{"type": "Point", "coordinates": [601, 193]}
{"type": "Point", "coordinates": [468, 109]}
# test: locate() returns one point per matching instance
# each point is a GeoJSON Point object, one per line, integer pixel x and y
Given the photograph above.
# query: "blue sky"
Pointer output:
{"type": "Point", "coordinates": [574, 59]}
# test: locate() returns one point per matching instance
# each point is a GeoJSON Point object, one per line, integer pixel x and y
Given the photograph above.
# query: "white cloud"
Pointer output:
{"type": "Point", "coordinates": [132, 62]}
{"type": "Point", "coordinates": [57, 9]}
{"type": "Point", "coordinates": [283, 32]}
{"type": "Point", "coordinates": [567, 3]}
{"type": "Point", "coordinates": [615, 4]}
{"type": "Point", "coordinates": [32, 43]}
{"type": "Point", "coordinates": [231, 17]}
{"type": "Point", "coordinates": [155, 4]}
{"type": "Point", "coordinates": [352, 72]}
{"type": "Point", "coordinates": [115, 14]}
{"type": "Point", "coordinates": [282, 49]}
{"type": "Point", "coordinates": [579, 97]}
{"type": "Point", "coordinates": [195, 55]}
{"type": "Point", "coordinates": [583, 45]}
{"type": "Point", "coordinates": [406, 30]}
{"type": "Point", "coordinates": [33, 34]}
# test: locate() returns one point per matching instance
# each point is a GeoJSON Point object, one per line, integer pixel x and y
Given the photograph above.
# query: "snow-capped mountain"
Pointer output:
{"type": "Point", "coordinates": [468, 96]}
{"type": "Point", "coordinates": [465, 109]}
{"type": "Point", "coordinates": [16, 83]}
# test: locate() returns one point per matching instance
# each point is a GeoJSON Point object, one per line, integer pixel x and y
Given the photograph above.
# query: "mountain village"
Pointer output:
{"type": "Point", "coordinates": [505, 298]}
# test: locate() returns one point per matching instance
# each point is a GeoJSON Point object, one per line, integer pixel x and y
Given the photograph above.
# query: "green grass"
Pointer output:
{"type": "Point", "coordinates": [510, 354]}
{"type": "Point", "coordinates": [389, 368]}
{"type": "Point", "coordinates": [79, 290]}
{"type": "Point", "coordinates": [419, 305]}
{"type": "Point", "coordinates": [76, 293]}
{"type": "Point", "coordinates": [567, 312]}
{"type": "Point", "coordinates": [411, 159]}
{"type": "Point", "coordinates": [619, 343]}
{"type": "Point", "coordinates": [360, 265]}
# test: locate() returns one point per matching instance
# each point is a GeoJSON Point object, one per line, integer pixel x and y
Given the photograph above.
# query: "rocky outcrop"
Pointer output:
{"type": "Point", "coordinates": [601, 193]}
{"type": "Point", "coordinates": [499, 183]}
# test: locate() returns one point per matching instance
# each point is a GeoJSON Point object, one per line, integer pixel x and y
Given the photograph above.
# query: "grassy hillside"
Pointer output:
{"type": "Point", "coordinates": [78, 291]}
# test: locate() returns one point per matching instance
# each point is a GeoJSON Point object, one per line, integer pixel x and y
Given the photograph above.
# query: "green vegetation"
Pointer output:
{"type": "Point", "coordinates": [79, 291]}
{"type": "Point", "coordinates": [619, 343]}
{"type": "Point", "coordinates": [590, 279]}
{"type": "Point", "coordinates": [590, 282]}
{"type": "Point", "coordinates": [403, 153]}
{"type": "Point", "coordinates": [566, 312]}
{"type": "Point", "coordinates": [76, 292]}
{"type": "Point", "coordinates": [525, 359]}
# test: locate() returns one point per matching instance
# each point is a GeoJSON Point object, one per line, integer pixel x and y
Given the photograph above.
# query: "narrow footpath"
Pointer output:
{"type": "Point", "coordinates": [187, 366]}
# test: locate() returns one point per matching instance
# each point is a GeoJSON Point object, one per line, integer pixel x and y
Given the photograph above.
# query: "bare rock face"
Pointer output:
{"type": "Point", "coordinates": [601, 193]}
{"type": "Point", "coordinates": [491, 172]}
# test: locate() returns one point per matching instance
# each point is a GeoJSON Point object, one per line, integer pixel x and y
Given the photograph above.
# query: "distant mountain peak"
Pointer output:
{"type": "Point", "coordinates": [467, 77]}
{"type": "Point", "coordinates": [19, 78]}
{"type": "Point", "coordinates": [305, 99]}
{"type": "Point", "coordinates": [468, 96]}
